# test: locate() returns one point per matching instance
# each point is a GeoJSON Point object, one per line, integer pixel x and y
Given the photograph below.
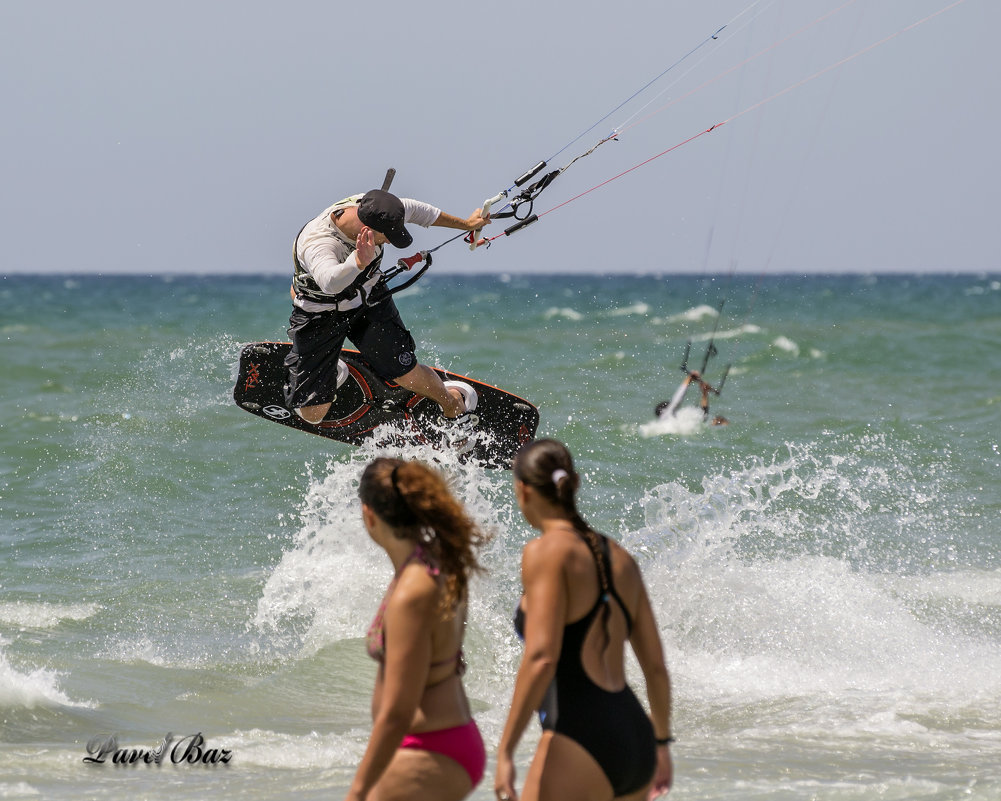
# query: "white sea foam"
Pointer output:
{"type": "Point", "coordinates": [272, 749]}
{"type": "Point", "coordinates": [754, 612]}
{"type": "Point", "coordinates": [626, 311]}
{"type": "Point", "coordinates": [327, 585]}
{"type": "Point", "coordinates": [18, 790]}
{"type": "Point", "coordinates": [565, 312]}
{"type": "Point", "coordinates": [979, 587]}
{"type": "Point", "coordinates": [786, 344]}
{"type": "Point", "coordinates": [685, 422]}
{"type": "Point", "coordinates": [727, 333]}
{"type": "Point", "coordinates": [31, 615]}
{"type": "Point", "coordinates": [693, 315]}
{"type": "Point", "coordinates": [31, 688]}
{"type": "Point", "coordinates": [138, 648]}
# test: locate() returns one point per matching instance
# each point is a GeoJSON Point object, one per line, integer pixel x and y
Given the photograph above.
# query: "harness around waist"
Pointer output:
{"type": "Point", "coordinates": [355, 295]}
{"type": "Point", "coordinates": [351, 298]}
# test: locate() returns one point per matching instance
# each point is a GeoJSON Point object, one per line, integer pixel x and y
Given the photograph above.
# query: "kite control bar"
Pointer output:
{"type": "Point", "coordinates": [486, 210]}
{"type": "Point", "coordinates": [525, 196]}
{"type": "Point", "coordinates": [710, 352]}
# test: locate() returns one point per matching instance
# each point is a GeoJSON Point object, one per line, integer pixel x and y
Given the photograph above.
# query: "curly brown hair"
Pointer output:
{"type": "Point", "coordinates": [417, 503]}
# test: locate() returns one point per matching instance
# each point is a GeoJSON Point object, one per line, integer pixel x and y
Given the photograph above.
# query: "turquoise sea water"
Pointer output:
{"type": "Point", "coordinates": [826, 570]}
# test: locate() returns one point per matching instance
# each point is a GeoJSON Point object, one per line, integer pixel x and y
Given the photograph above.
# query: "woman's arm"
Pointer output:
{"type": "Point", "coordinates": [408, 619]}
{"type": "Point", "coordinates": [646, 644]}
{"type": "Point", "coordinates": [545, 606]}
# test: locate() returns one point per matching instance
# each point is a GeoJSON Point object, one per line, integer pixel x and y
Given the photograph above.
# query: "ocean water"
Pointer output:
{"type": "Point", "coordinates": [826, 570]}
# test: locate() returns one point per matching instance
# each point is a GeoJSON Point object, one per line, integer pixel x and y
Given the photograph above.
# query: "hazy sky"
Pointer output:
{"type": "Point", "coordinates": [199, 136]}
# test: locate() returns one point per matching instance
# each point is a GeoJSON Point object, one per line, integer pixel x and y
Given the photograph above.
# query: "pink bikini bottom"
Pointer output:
{"type": "Point", "coordinates": [461, 743]}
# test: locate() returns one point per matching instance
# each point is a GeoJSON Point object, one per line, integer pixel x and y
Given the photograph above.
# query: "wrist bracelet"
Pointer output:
{"type": "Point", "coordinates": [664, 740]}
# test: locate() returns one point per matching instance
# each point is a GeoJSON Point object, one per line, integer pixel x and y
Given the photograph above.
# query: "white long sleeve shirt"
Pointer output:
{"type": "Point", "coordinates": [329, 256]}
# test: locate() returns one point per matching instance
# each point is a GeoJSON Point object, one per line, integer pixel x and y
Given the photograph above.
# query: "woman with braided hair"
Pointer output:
{"type": "Point", "coordinates": [583, 599]}
{"type": "Point", "coordinates": [424, 742]}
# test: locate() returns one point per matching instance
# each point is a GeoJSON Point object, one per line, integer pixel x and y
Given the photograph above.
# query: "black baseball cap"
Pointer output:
{"type": "Point", "coordinates": [383, 212]}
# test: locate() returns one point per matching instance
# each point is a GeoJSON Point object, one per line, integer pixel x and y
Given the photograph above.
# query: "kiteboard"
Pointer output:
{"type": "Point", "coordinates": [365, 404]}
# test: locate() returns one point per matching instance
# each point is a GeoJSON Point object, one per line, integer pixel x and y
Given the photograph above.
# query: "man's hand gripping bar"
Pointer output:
{"type": "Point", "coordinates": [474, 235]}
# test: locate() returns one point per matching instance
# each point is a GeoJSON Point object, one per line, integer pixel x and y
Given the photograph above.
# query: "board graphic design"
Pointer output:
{"type": "Point", "coordinates": [364, 402]}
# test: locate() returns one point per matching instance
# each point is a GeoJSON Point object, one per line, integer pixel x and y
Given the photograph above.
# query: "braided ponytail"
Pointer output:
{"type": "Point", "coordinates": [547, 465]}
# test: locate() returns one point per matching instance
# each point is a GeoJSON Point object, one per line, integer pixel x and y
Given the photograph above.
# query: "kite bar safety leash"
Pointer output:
{"type": "Point", "coordinates": [532, 192]}
{"type": "Point", "coordinates": [755, 106]}
{"type": "Point", "coordinates": [529, 194]}
{"type": "Point", "coordinates": [405, 265]}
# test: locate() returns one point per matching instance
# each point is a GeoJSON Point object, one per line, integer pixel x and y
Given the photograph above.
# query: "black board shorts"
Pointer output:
{"type": "Point", "coordinates": [317, 338]}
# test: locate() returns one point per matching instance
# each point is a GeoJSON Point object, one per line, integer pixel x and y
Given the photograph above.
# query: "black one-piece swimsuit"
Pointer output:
{"type": "Point", "coordinates": [611, 726]}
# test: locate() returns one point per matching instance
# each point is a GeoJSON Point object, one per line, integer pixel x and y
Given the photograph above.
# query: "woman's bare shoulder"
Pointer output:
{"type": "Point", "coordinates": [416, 588]}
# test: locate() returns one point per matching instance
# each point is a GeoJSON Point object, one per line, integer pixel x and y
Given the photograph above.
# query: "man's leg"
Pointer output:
{"type": "Point", "coordinates": [386, 343]}
{"type": "Point", "coordinates": [425, 381]}
{"type": "Point", "coordinates": [421, 380]}
{"type": "Point", "coordinates": [314, 414]}
{"type": "Point", "coordinates": [313, 362]}
{"type": "Point", "coordinates": [704, 403]}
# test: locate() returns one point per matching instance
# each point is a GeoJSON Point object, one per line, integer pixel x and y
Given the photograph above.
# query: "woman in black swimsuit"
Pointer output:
{"type": "Point", "coordinates": [583, 599]}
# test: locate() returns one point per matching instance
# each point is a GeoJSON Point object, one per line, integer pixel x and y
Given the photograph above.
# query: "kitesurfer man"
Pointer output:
{"type": "Point", "coordinates": [670, 408]}
{"type": "Point", "coordinates": [338, 292]}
